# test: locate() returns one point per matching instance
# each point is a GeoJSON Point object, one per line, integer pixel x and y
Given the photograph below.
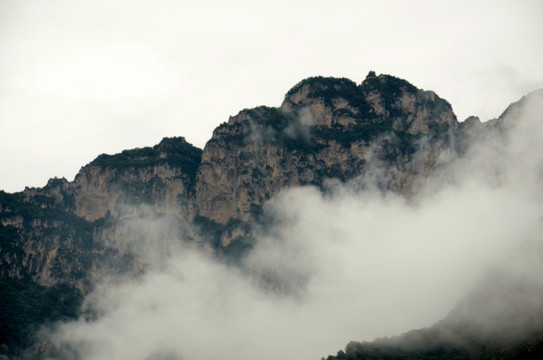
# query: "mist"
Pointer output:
{"type": "Point", "coordinates": [350, 263]}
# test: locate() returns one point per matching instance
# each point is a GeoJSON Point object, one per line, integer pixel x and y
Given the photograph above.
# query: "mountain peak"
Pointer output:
{"type": "Point", "coordinates": [384, 99]}
{"type": "Point", "coordinates": [67, 233]}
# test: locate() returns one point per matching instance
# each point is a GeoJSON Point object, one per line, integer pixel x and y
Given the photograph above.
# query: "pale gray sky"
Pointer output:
{"type": "Point", "coordinates": [81, 78]}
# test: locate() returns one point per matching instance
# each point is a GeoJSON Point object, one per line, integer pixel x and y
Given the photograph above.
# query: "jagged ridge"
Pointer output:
{"type": "Point", "coordinates": [326, 128]}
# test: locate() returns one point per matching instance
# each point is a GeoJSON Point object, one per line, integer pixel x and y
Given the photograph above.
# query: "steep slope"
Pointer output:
{"type": "Point", "coordinates": [55, 240]}
{"type": "Point", "coordinates": [502, 316]}
{"type": "Point", "coordinates": [58, 231]}
{"type": "Point", "coordinates": [61, 237]}
{"type": "Point", "coordinates": [326, 128]}
{"type": "Point", "coordinates": [162, 176]}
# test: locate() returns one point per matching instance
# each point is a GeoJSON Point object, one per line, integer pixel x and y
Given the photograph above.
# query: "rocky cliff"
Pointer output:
{"type": "Point", "coordinates": [325, 129]}
{"type": "Point", "coordinates": [67, 233]}
{"type": "Point", "coordinates": [63, 231]}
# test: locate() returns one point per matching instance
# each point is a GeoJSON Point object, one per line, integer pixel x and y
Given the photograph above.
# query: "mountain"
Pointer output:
{"type": "Point", "coordinates": [324, 129]}
{"type": "Point", "coordinates": [500, 318]}
{"type": "Point", "coordinates": [57, 241]}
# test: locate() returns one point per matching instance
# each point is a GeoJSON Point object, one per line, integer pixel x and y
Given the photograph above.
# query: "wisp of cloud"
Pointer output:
{"type": "Point", "coordinates": [346, 264]}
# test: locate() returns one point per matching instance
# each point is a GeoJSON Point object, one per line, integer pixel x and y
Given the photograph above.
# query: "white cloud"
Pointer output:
{"type": "Point", "coordinates": [350, 264]}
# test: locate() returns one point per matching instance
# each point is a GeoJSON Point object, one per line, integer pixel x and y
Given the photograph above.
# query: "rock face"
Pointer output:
{"type": "Point", "coordinates": [66, 233]}
{"type": "Point", "coordinates": [326, 128]}
{"type": "Point", "coordinates": [162, 176]}
{"type": "Point", "coordinates": [66, 230]}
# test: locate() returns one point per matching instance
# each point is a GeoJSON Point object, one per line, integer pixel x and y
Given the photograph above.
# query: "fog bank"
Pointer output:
{"type": "Point", "coordinates": [347, 264]}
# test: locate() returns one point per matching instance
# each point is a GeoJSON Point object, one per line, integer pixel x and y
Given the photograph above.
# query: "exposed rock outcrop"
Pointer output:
{"type": "Point", "coordinates": [63, 231]}
{"type": "Point", "coordinates": [383, 131]}
{"type": "Point", "coordinates": [326, 128]}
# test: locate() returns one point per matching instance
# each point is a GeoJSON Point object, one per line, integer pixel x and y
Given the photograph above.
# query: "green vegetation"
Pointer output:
{"type": "Point", "coordinates": [237, 249]}
{"type": "Point", "coordinates": [329, 88]}
{"type": "Point", "coordinates": [175, 152]}
{"type": "Point", "coordinates": [301, 143]}
{"type": "Point", "coordinates": [8, 241]}
{"type": "Point", "coordinates": [26, 306]}
{"type": "Point", "coordinates": [212, 231]}
{"type": "Point", "coordinates": [440, 343]}
{"type": "Point", "coordinates": [390, 87]}
{"type": "Point", "coordinates": [272, 125]}
{"type": "Point", "coordinates": [14, 204]}
{"type": "Point", "coordinates": [428, 344]}
{"type": "Point", "coordinates": [268, 116]}
{"type": "Point", "coordinates": [404, 143]}
{"type": "Point", "coordinates": [361, 131]}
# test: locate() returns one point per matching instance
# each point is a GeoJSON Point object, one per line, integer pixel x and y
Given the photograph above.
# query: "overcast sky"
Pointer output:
{"type": "Point", "coordinates": [81, 78]}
